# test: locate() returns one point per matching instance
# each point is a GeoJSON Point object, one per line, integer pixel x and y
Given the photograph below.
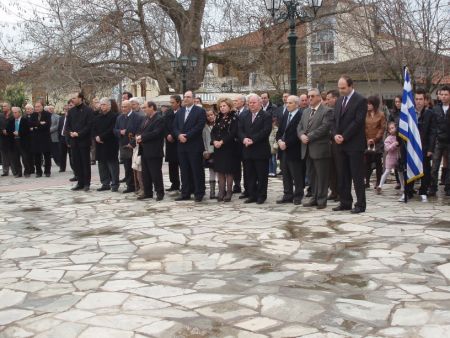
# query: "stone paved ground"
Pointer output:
{"type": "Point", "coordinates": [105, 265]}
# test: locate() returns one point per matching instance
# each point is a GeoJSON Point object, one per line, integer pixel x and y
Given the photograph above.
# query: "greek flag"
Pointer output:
{"type": "Point", "coordinates": [409, 132]}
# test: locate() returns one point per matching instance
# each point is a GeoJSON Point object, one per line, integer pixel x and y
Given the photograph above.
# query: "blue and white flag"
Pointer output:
{"type": "Point", "coordinates": [409, 131]}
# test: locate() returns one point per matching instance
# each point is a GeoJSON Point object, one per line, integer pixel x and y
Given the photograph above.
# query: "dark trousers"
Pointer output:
{"type": "Point", "coordinates": [129, 176]}
{"type": "Point", "coordinates": [439, 151]}
{"type": "Point", "coordinates": [152, 176]}
{"type": "Point", "coordinates": [64, 151]}
{"type": "Point", "coordinates": [47, 162]}
{"type": "Point", "coordinates": [56, 153]}
{"type": "Point", "coordinates": [20, 152]}
{"type": "Point", "coordinates": [192, 174]}
{"type": "Point", "coordinates": [6, 160]}
{"type": "Point", "coordinates": [351, 168]}
{"type": "Point", "coordinates": [82, 164]}
{"type": "Point", "coordinates": [373, 159]}
{"type": "Point", "coordinates": [258, 177]}
{"type": "Point", "coordinates": [109, 173]}
{"type": "Point", "coordinates": [334, 173]}
{"type": "Point", "coordinates": [319, 169]}
{"type": "Point", "coordinates": [174, 174]}
{"type": "Point", "coordinates": [293, 178]}
{"type": "Point", "coordinates": [426, 179]}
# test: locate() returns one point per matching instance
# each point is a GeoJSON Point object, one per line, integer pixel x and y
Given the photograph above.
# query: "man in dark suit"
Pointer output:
{"type": "Point", "coordinates": [268, 106]}
{"type": "Point", "coordinates": [127, 125]}
{"type": "Point", "coordinates": [79, 128]}
{"type": "Point", "coordinates": [254, 131]}
{"type": "Point", "coordinates": [171, 143]}
{"type": "Point", "coordinates": [332, 97]}
{"type": "Point", "coordinates": [187, 128]}
{"type": "Point", "coordinates": [151, 142]}
{"type": "Point", "coordinates": [289, 148]}
{"type": "Point", "coordinates": [350, 136]}
{"type": "Point", "coordinates": [64, 149]}
{"type": "Point", "coordinates": [106, 146]}
{"type": "Point", "coordinates": [281, 111]}
{"type": "Point", "coordinates": [314, 132]}
{"type": "Point", "coordinates": [40, 122]}
{"type": "Point", "coordinates": [241, 111]}
{"type": "Point", "coordinates": [19, 131]}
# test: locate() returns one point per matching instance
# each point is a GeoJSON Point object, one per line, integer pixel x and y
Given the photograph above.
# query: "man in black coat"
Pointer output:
{"type": "Point", "coordinates": [187, 128]}
{"type": "Point", "coordinates": [290, 153]}
{"type": "Point", "coordinates": [171, 143]}
{"type": "Point", "coordinates": [241, 111]}
{"type": "Point", "coordinates": [254, 131]}
{"type": "Point", "coordinates": [127, 125]}
{"type": "Point", "coordinates": [350, 136]}
{"type": "Point", "coordinates": [442, 118]}
{"type": "Point", "coordinates": [151, 142]}
{"type": "Point", "coordinates": [79, 130]}
{"type": "Point", "coordinates": [19, 131]}
{"type": "Point", "coordinates": [106, 146]}
{"type": "Point", "coordinates": [268, 106]}
{"type": "Point", "coordinates": [5, 141]}
{"type": "Point", "coordinates": [40, 122]}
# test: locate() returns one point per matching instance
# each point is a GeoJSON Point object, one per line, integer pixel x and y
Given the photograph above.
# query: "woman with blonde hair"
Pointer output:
{"type": "Point", "coordinates": [223, 138]}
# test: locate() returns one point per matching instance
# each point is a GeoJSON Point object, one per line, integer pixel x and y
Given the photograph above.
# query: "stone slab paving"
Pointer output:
{"type": "Point", "coordinates": [76, 264]}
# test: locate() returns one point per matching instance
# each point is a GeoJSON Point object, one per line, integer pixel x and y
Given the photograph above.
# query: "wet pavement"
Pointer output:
{"type": "Point", "coordinates": [101, 264]}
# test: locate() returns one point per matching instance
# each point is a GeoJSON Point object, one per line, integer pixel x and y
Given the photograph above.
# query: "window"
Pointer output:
{"type": "Point", "coordinates": [322, 41]}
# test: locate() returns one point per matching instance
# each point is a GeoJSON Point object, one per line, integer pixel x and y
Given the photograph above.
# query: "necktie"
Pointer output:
{"type": "Point", "coordinates": [344, 103]}
{"type": "Point", "coordinates": [289, 119]}
{"type": "Point", "coordinates": [186, 114]}
{"type": "Point", "coordinates": [313, 111]}
{"type": "Point", "coordinates": [253, 117]}
{"type": "Point", "coordinates": [17, 126]}
{"type": "Point", "coordinates": [63, 130]}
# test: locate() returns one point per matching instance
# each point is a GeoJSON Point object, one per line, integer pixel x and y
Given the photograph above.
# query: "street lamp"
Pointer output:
{"type": "Point", "coordinates": [183, 64]}
{"type": "Point", "coordinates": [304, 11]}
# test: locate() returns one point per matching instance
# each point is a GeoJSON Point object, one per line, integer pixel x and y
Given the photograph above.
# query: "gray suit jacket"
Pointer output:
{"type": "Point", "coordinates": [318, 134]}
{"type": "Point", "coordinates": [54, 128]}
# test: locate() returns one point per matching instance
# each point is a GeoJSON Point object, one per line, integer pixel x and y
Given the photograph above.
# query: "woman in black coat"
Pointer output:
{"type": "Point", "coordinates": [40, 122]}
{"type": "Point", "coordinates": [223, 138]}
{"type": "Point", "coordinates": [106, 146]}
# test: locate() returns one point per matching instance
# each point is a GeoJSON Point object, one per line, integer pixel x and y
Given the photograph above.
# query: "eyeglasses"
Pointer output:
{"type": "Point", "coordinates": [310, 96]}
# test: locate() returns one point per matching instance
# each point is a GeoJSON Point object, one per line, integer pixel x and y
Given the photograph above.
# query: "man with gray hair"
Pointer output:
{"type": "Point", "coordinates": [290, 148]}
{"type": "Point", "coordinates": [254, 130]}
{"type": "Point", "coordinates": [107, 146]}
{"type": "Point", "coordinates": [19, 131]}
{"type": "Point", "coordinates": [241, 110]}
{"type": "Point", "coordinates": [314, 132]}
{"type": "Point", "coordinates": [136, 106]}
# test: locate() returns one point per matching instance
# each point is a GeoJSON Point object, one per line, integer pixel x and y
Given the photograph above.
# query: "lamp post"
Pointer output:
{"type": "Point", "coordinates": [304, 11]}
{"type": "Point", "coordinates": [183, 65]}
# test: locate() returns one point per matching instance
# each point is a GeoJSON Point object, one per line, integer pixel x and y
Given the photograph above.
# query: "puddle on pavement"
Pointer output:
{"type": "Point", "coordinates": [300, 232]}
{"type": "Point", "coordinates": [32, 209]}
{"type": "Point", "coordinates": [105, 231]}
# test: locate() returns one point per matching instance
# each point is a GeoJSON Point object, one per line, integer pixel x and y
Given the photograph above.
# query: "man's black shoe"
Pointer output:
{"type": "Point", "coordinates": [250, 200]}
{"type": "Point", "coordinates": [86, 188]}
{"type": "Point", "coordinates": [198, 198]}
{"type": "Point", "coordinates": [237, 189]}
{"type": "Point", "coordinates": [77, 187]}
{"type": "Point", "coordinates": [284, 200]}
{"type": "Point", "coordinates": [172, 189]}
{"type": "Point", "coordinates": [5, 174]}
{"type": "Point", "coordinates": [143, 197]}
{"type": "Point", "coordinates": [244, 195]}
{"type": "Point", "coordinates": [73, 179]}
{"type": "Point", "coordinates": [357, 210]}
{"type": "Point", "coordinates": [159, 197]}
{"type": "Point", "coordinates": [123, 180]}
{"type": "Point", "coordinates": [341, 208]}
{"type": "Point", "coordinates": [260, 200]}
{"type": "Point", "coordinates": [127, 191]}
{"type": "Point", "coordinates": [103, 188]}
{"type": "Point", "coordinates": [62, 170]}
{"type": "Point", "coordinates": [182, 198]}
{"type": "Point", "coordinates": [38, 175]}
{"type": "Point", "coordinates": [47, 175]}
{"type": "Point", "coordinates": [297, 201]}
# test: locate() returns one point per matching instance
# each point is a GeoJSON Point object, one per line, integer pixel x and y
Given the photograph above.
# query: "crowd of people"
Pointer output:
{"type": "Point", "coordinates": [324, 142]}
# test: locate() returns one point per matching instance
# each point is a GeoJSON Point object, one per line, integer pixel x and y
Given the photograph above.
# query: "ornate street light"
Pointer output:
{"type": "Point", "coordinates": [183, 65]}
{"type": "Point", "coordinates": [304, 11]}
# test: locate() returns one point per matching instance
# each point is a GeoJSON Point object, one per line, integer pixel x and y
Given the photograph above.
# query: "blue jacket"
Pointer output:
{"type": "Point", "coordinates": [192, 127]}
